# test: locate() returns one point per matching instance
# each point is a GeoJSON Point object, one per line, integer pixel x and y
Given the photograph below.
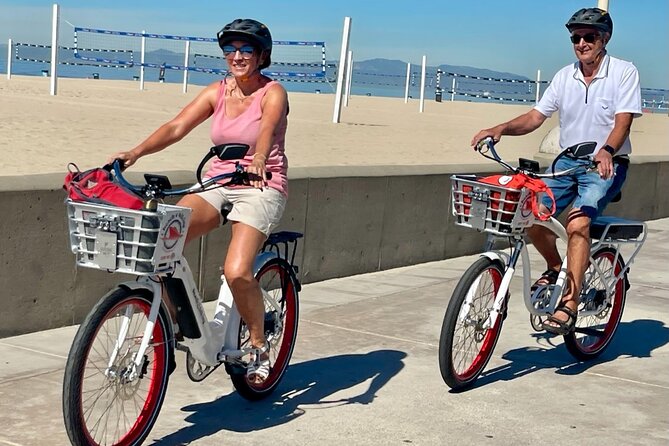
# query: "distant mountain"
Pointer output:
{"type": "Point", "coordinates": [398, 67]}
{"type": "Point", "coordinates": [372, 66]}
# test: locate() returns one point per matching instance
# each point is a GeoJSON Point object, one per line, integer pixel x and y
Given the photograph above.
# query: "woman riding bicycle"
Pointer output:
{"type": "Point", "coordinates": [246, 107]}
{"type": "Point", "coordinates": [598, 96]}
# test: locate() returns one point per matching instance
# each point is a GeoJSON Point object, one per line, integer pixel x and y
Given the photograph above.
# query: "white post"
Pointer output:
{"type": "Point", "coordinates": [421, 107]}
{"type": "Point", "coordinates": [186, 66]}
{"type": "Point", "coordinates": [141, 60]}
{"type": "Point", "coordinates": [406, 86]}
{"type": "Point", "coordinates": [349, 73]}
{"type": "Point", "coordinates": [9, 59]}
{"type": "Point", "coordinates": [342, 67]}
{"type": "Point", "coordinates": [453, 90]}
{"type": "Point", "coordinates": [538, 85]}
{"type": "Point", "coordinates": [54, 49]}
{"type": "Point", "coordinates": [603, 4]}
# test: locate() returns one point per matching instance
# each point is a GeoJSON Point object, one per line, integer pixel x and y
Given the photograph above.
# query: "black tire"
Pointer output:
{"type": "Point", "coordinates": [277, 279]}
{"type": "Point", "coordinates": [601, 326]}
{"type": "Point", "coordinates": [99, 406]}
{"type": "Point", "coordinates": [466, 348]}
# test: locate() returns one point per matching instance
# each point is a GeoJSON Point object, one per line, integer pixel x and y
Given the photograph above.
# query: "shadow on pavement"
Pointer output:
{"type": "Point", "coordinates": [310, 382]}
{"type": "Point", "coordinates": [634, 339]}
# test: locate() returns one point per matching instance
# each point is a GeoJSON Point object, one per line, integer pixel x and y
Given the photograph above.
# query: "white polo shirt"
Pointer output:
{"type": "Point", "coordinates": [587, 112]}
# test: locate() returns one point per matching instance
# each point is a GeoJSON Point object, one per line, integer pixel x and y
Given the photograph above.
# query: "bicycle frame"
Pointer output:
{"type": "Point", "coordinates": [217, 336]}
{"type": "Point", "coordinates": [519, 250]}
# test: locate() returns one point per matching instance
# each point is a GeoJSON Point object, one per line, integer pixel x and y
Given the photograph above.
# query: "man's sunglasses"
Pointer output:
{"type": "Point", "coordinates": [246, 51]}
{"type": "Point", "coordinates": [589, 38]}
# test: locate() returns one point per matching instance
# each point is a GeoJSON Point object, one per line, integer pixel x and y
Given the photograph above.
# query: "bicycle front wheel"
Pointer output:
{"type": "Point", "coordinates": [465, 346]}
{"type": "Point", "coordinates": [595, 331]}
{"type": "Point", "coordinates": [278, 284]}
{"type": "Point", "coordinates": [107, 399]}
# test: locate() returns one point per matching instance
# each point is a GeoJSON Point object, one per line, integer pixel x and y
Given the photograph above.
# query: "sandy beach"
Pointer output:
{"type": "Point", "coordinates": [91, 118]}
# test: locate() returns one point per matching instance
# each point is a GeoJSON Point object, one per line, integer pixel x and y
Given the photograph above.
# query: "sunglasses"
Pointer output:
{"type": "Point", "coordinates": [246, 51]}
{"type": "Point", "coordinates": [589, 38]}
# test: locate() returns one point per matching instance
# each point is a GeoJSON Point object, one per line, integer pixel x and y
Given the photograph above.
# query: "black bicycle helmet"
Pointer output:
{"type": "Point", "coordinates": [595, 17]}
{"type": "Point", "coordinates": [252, 31]}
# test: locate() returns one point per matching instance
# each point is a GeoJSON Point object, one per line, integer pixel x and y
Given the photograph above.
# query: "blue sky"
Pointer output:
{"type": "Point", "coordinates": [518, 36]}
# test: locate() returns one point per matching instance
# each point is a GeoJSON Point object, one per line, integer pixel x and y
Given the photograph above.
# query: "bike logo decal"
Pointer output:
{"type": "Point", "coordinates": [504, 180]}
{"type": "Point", "coordinates": [173, 232]}
{"type": "Point", "coordinates": [526, 206]}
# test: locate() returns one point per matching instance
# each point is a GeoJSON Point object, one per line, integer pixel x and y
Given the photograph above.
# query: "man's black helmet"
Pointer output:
{"type": "Point", "coordinates": [595, 17]}
{"type": "Point", "coordinates": [249, 30]}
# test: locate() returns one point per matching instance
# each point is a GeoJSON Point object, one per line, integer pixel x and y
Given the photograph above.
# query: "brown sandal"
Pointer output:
{"type": "Point", "coordinates": [561, 328]}
{"type": "Point", "coordinates": [549, 277]}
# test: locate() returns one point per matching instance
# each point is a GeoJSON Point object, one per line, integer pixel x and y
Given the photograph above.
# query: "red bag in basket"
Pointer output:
{"type": "Point", "coordinates": [518, 181]}
{"type": "Point", "coordinates": [98, 186]}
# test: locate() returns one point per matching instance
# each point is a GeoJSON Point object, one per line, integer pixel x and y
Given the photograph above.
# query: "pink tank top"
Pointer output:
{"type": "Point", "coordinates": [245, 129]}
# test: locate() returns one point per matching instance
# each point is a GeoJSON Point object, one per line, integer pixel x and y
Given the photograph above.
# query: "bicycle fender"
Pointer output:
{"type": "Point", "coordinates": [153, 288]}
{"type": "Point", "coordinates": [136, 285]}
{"type": "Point", "coordinates": [499, 256]}
{"type": "Point", "coordinates": [261, 259]}
{"type": "Point", "coordinates": [265, 257]}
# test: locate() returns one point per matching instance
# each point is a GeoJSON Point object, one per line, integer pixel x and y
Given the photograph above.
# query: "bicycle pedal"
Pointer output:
{"type": "Point", "coordinates": [197, 371]}
{"type": "Point", "coordinates": [235, 369]}
{"type": "Point", "coordinates": [536, 322]}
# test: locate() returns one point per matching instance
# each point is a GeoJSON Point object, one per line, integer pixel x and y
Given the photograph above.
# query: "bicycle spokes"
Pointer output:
{"type": "Point", "coordinates": [468, 336]}
{"type": "Point", "coordinates": [601, 306]}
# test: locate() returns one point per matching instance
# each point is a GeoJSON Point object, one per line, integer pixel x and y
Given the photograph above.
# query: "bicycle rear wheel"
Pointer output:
{"type": "Point", "coordinates": [465, 347]}
{"type": "Point", "coordinates": [278, 283]}
{"type": "Point", "coordinates": [594, 332]}
{"type": "Point", "coordinates": [109, 402]}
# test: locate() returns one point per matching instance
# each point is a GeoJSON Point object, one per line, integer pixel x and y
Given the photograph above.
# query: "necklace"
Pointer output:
{"type": "Point", "coordinates": [239, 95]}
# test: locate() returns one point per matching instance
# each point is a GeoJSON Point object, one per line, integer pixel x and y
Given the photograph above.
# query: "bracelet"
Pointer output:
{"type": "Point", "coordinates": [609, 149]}
{"type": "Point", "coordinates": [263, 156]}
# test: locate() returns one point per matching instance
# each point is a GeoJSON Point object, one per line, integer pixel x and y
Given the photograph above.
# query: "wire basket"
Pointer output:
{"type": "Point", "coordinates": [126, 240]}
{"type": "Point", "coordinates": [490, 208]}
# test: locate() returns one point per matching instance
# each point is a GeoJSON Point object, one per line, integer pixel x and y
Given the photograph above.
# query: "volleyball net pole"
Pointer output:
{"type": "Point", "coordinates": [186, 56]}
{"type": "Point", "coordinates": [406, 85]}
{"type": "Point", "coordinates": [421, 106]}
{"type": "Point", "coordinates": [342, 70]}
{"type": "Point", "coordinates": [349, 74]}
{"type": "Point", "coordinates": [142, 55]}
{"type": "Point", "coordinates": [9, 59]}
{"type": "Point", "coordinates": [53, 84]}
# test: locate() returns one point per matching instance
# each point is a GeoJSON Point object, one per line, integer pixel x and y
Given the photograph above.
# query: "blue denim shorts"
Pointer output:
{"type": "Point", "coordinates": [588, 191]}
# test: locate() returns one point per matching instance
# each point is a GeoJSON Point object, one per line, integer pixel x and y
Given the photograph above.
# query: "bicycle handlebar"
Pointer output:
{"type": "Point", "coordinates": [488, 145]}
{"type": "Point", "coordinates": [161, 187]}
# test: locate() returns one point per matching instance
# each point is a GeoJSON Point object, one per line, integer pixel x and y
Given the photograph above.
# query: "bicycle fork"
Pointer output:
{"type": "Point", "coordinates": [138, 360]}
{"type": "Point", "coordinates": [509, 264]}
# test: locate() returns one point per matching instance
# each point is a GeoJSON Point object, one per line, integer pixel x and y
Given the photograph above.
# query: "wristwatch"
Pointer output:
{"type": "Point", "coordinates": [609, 149]}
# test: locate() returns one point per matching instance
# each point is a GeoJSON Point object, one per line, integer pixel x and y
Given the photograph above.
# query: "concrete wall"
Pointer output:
{"type": "Point", "coordinates": [355, 220]}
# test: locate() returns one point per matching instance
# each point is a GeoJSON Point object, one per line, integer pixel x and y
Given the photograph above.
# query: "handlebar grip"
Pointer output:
{"type": "Point", "coordinates": [268, 175]}
{"type": "Point", "coordinates": [121, 165]}
{"type": "Point", "coordinates": [487, 141]}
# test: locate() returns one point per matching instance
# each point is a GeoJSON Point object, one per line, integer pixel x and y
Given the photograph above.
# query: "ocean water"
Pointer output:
{"type": "Point", "coordinates": [363, 84]}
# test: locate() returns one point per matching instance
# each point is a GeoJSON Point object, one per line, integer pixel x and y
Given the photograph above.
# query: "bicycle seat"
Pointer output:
{"type": "Point", "coordinates": [225, 210]}
{"type": "Point", "coordinates": [619, 228]}
{"type": "Point", "coordinates": [282, 237]}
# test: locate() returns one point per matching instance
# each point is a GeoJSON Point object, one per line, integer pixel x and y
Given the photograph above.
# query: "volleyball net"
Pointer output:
{"type": "Point", "coordinates": [30, 52]}
{"type": "Point", "coordinates": [291, 60]}
{"type": "Point", "coordinates": [489, 88]}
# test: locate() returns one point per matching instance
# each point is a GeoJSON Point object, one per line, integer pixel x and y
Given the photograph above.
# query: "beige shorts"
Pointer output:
{"type": "Point", "coordinates": [261, 209]}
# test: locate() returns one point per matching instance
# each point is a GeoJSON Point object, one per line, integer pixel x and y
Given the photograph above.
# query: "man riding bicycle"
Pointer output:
{"type": "Point", "coordinates": [597, 96]}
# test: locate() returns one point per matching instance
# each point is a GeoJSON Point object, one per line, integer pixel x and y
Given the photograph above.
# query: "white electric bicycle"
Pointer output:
{"type": "Point", "coordinates": [121, 358]}
{"type": "Point", "coordinates": [477, 309]}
